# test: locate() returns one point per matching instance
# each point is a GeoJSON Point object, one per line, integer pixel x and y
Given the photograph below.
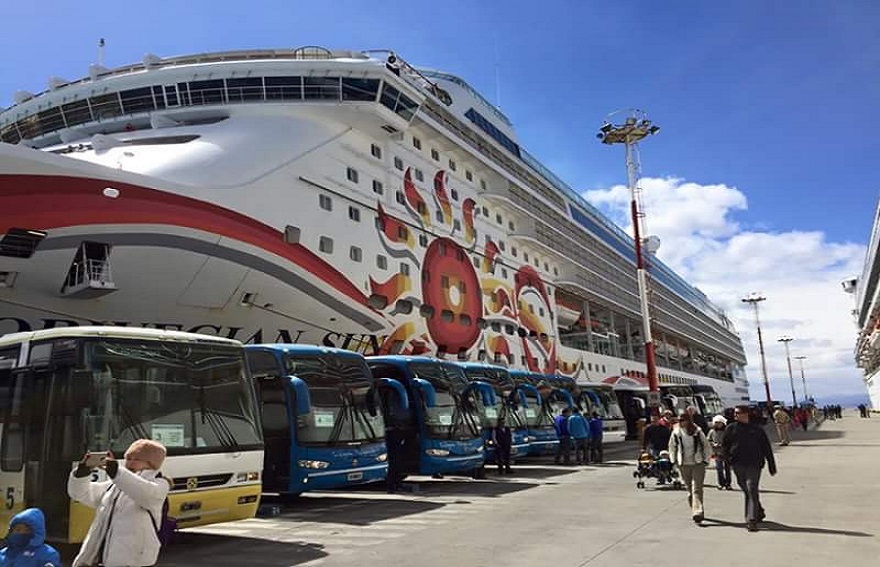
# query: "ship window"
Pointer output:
{"type": "Point", "coordinates": [377, 301]}
{"type": "Point", "coordinates": [423, 240]}
{"type": "Point", "coordinates": [426, 311]}
{"type": "Point", "coordinates": [325, 202]}
{"type": "Point", "coordinates": [509, 329]}
{"type": "Point", "coordinates": [419, 175]}
{"type": "Point", "coordinates": [447, 315]}
{"type": "Point", "coordinates": [510, 359]}
{"type": "Point", "coordinates": [511, 226]}
{"type": "Point", "coordinates": [20, 242]}
{"type": "Point", "coordinates": [483, 184]}
{"type": "Point", "coordinates": [399, 197]}
{"type": "Point", "coordinates": [322, 88]}
{"type": "Point", "coordinates": [359, 89]}
{"type": "Point", "coordinates": [501, 245]}
{"type": "Point", "coordinates": [242, 89]}
{"type": "Point", "coordinates": [354, 214]}
{"type": "Point", "coordinates": [439, 215]}
{"type": "Point", "coordinates": [498, 218]}
{"type": "Point", "coordinates": [50, 120]}
{"type": "Point", "coordinates": [135, 100]}
{"type": "Point", "coordinates": [404, 268]}
{"type": "Point", "coordinates": [376, 151]}
{"type": "Point", "coordinates": [283, 88]}
{"type": "Point", "coordinates": [381, 262]}
{"type": "Point", "coordinates": [444, 282]}
{"type": "Point", "coordinates": [513, 251]}
{"type": "Point", "coordinates": [352, 174]}
{"type": "Point", "coordinates": [496, 327]}
{"type": "Point", "coordinates": [207, 92]}
{"type": "Point", "coordinates": [325, 244]}
{"type": "Point", "coordinates": [171, 95]}
{"type": "Point", "coordinates": [403, 306]}
{"type": "Point", "coordinates": [377, 187]}
{"type": "Point", "coordinates": [29, 127]}
{"type": "Point", "coordinates": [526, 256]}
{"type": "Point", "coordinates": [485, 211]}
{"type": "Point", "coordinates": [158, 99]}
{"type": "Point", "coordinates": [107, 106]}
{"type": "Point", "coordinates": [77, 112]}
{"type": "Point", "coordinates": [356, 254]}
{"type": "Point", "coordinates": [452, 165]}
{"type": "Point", "coordinates": [9, 134]}
{"type": "Point", "coordinates": [406, 107]}
{"type": "Point", "coordinates": [183, 93]}
{"type": "Point", "coordinates": [464, 319]}
{"type": "Point", "coordinates": [402, 232]}
{"type": "Point", "coordinates": [503, 273]}
{"type": "Point", "coordinates": [468, 175]}
{"type": "Point", "coordinates": [454, 193]}
{"type": "Point", "coordinates": [398, 163]}
{"type": "Point", "coordinates": [417, 144]}
{"type": "Point", "coordinates": [435, 155]}
{"type": "Point", "coordinates": [456, 224]}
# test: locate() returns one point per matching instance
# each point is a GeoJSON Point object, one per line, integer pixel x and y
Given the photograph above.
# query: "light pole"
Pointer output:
{"type": "Point", "coordinates": [634, 129]}
{"type": "Point", "coordinates": [804, 380]}
{"type": "Point", "coordinates": [785, 339]}
{"type": "Point", "coordinates": [754, 299]}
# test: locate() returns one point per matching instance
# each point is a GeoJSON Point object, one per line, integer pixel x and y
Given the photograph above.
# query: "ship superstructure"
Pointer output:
{"type": "Point", "coordinates": [867, 315]}
{"type": "Point", "coordinates": [328, 197]}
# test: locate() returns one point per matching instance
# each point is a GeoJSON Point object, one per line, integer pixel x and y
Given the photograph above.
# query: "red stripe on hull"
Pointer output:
{"type": "Point", "coordinates": [44, 202]}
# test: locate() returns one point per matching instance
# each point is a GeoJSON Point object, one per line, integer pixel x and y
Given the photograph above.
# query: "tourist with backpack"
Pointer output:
{"type": "Point", "coordinates": [129, 507]}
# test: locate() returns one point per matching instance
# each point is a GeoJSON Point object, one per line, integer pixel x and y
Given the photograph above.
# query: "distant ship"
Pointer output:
{"type": "Point", "coordinates": [339, 198]}
{"type": "Point", "coordinates": [867, 314]}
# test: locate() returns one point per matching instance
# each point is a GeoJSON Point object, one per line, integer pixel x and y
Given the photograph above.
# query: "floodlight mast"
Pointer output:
{"type": "Point", "coordinates": [634, 129]}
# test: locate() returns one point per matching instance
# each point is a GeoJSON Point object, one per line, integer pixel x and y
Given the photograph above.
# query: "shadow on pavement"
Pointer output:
{"type": "Point", "coordinates": [353, 511]}
{"type": "Point", "coordinates": [228, 550]}
{"type": "Point", "coordinates": [777, 527]}
{"type": "Point", "coordinates": [491, 488]}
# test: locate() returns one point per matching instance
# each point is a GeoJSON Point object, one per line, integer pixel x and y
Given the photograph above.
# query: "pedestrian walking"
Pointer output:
{"type": "Point", "coordinates": [563, 450]}
{"type": "Point", "coordinates": [722, 467]}
{"type": "Point", "coordinates": [26, 542]}
{"type": "Point", "coordinates": [502, 435]}
{"type": "Point", "coordinates": [580, 435]}
{"type": "Point", "coordinates": [747, 448]}
{"type": "Point", "coordinates": [597, 433]}
{"type": "Point", "coordinates": [128, 516]}
{"type": "Point", "coordinates": [783, 425]}
{"type": "Point", "coordinates": [689, 450]}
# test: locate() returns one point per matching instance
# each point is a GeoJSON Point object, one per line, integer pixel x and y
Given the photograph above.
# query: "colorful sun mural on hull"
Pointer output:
{"type": "Point", "coordinates": [463, 308]}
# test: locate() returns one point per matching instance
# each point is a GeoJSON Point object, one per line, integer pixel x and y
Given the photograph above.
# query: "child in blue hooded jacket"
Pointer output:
{"type": "Point", "coordinates": [25, 543]}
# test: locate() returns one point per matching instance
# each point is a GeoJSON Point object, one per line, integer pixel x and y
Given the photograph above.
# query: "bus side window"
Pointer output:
{"type": "Point", "coordinates": [12, 442]}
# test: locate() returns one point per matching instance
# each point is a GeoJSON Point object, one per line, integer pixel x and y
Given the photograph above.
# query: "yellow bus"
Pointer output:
{"type": "Point", "coordinates": [70, 390]}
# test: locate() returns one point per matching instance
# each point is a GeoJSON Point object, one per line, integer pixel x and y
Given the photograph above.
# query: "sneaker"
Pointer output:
{"type": "Point", "coordinates": [752, 526]}
{"type": "Point", "coordinates": [698, 518]}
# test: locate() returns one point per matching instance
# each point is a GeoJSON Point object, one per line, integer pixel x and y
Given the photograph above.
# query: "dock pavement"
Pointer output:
{"type": "Point", "coordinates": [823, 508]}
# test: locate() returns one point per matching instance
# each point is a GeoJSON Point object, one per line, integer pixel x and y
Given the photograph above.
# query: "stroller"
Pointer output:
{"type": "Point", "coordinates": [659, 467]}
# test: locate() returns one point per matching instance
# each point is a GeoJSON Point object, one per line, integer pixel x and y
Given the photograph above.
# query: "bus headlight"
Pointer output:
{"type": "Point", "coordinates": [307, 464]}
{"type": "Point", "coordinates": [382, 458]}
{"type": "Point", "coordinates": [437, 452]}
{"type": "Point", "coordinates": [247, 476]}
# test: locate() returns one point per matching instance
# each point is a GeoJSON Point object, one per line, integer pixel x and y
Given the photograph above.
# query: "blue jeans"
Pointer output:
{"type": "Point", "coordinates": [722, 467]}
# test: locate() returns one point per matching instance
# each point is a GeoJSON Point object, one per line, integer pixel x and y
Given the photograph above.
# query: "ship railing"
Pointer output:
{"type": "Point", "coordinates": [90, 272]}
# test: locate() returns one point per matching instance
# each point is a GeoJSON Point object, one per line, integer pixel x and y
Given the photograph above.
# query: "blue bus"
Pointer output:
{"type": "Point", "coordinates": [598, 398]}
{"type": "Point", "coordinates": [545, 403]}
{"type": "Point", "coordinates": [321, 418]}
{"type": "Point", "coordinates": [440, 424]}
{"type": "Point", "coordinates": [511, 402]}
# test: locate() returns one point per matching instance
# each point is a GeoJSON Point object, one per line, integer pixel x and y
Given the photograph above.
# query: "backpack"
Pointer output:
{"type": "Point", "coordinates": [166, 526]}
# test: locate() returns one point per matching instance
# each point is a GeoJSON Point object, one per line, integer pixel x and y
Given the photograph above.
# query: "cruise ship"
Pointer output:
{"type": "Point", "coordinates": [867, 313]}
{"type": "Point", "coordinates": [340, 198]}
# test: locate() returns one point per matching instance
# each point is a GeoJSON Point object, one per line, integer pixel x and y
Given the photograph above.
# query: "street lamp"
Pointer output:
{"type": "Point", "coordinates": [804, 380]}
{"type": "Point", "coordinates": [754, 299]}
{"type": "Point", "coordinates": [785, 339]}
{"type": "Point", "coordinates": [635, 128]}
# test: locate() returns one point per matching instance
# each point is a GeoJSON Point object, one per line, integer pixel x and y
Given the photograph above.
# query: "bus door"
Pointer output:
{"type": "Point", "coordinates": [273, 395]}
{"type": "Point", "coordinates": [12, 436]}
{"type": "Point", "coordinates": [400, 418]}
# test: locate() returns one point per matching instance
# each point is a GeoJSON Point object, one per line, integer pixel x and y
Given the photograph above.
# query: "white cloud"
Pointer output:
{"type": "Point", "coordinates": [798, 272]}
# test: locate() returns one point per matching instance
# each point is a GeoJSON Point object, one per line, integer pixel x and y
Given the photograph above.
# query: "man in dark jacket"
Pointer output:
{"type": "Point", "coordinates": [502, 435]}
{"type": "Point", "coordinates": [747, 448]}
{"type": "Point", "coordinates": [656, 437]}
{"type": "Point", "coordinates": [563, 450]}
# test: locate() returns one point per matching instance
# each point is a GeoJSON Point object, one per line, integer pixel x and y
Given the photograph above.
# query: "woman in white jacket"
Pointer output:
{"type": "Point", "coordinates": [128, 508]}
{"type": "Point", "coordinates": [690, 450]}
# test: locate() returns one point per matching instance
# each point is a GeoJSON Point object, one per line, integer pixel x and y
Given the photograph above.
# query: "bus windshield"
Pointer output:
{"type": "Point", "coordinates": [453, 416]}
{"type": "Point", "coordinates": [192, 397]}
{"type": "Point", "coordinates": [608, 408]}
{"type": "Point", "coordinates": [340, 390]}
{"type": "Point", "coordinates": [505, 402]}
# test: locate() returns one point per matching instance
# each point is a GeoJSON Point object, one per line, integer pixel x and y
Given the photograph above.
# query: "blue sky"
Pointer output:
{"type": "Point", "coordinates": [758, 181]}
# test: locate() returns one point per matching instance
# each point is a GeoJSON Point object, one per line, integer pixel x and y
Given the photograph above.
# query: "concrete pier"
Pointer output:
{"type": "Point", "coordinates": [822, 509]}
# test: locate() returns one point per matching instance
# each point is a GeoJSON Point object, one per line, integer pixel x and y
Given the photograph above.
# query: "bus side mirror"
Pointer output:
{"type": "Point", "coordinates": [301, 395]}
{"type": "Point", "coordinates": [426, 390]}
{"type": "Point", "coordinates": [402, 398]}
